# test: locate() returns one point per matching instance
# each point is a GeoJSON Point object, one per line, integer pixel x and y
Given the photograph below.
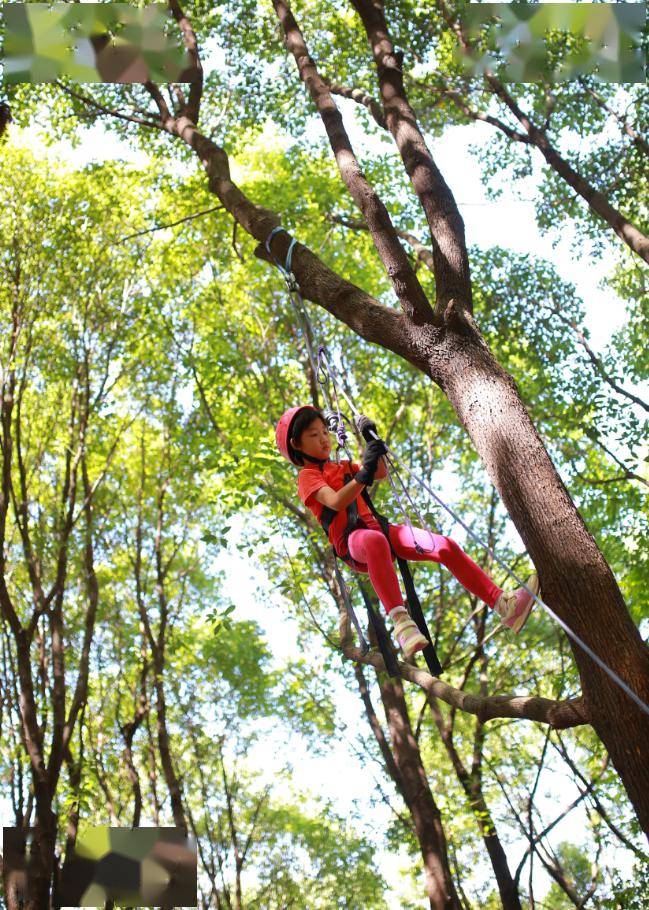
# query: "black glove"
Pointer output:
{"type": "Point", "coordinates": [374, 450]}
{"type": "Point", "coordinates": [364, 425]}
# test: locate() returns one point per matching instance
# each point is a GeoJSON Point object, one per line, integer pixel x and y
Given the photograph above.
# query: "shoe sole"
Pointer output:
{"type": "Point", "coordinates": [520, 621]}
{"type": "Point", "coordinates": [418, 646]}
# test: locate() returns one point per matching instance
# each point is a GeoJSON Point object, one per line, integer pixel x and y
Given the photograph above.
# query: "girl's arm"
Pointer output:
{"type": "Point", "coordinates": [339, 499]}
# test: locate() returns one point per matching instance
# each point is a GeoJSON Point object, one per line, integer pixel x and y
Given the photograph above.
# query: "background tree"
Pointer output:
{"type": "Point", "coordinates": [441, 338]}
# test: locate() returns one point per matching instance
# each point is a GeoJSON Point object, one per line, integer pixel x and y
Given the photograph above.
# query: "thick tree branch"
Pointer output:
{"type": "Point", "coordinates": [189, 37]}
{"type": "Point", "coordinates": [595, 360]}
{"type": "Point", "coordinates": [404, 281]}
{"type": "Point", "coordinates": [557, 714]}
{"type": "Point", "coordinates": [371, 320]}
{"type": "Point", "coordinates": [637, 139]}
{"type": "Point", "coordinates": [629, 233]}
{"type": "Point", "coordinates": [451, 265]}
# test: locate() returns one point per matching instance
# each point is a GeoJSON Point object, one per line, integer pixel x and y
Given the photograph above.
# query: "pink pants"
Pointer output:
{"type": "Point", "coordinates": [371, 547]}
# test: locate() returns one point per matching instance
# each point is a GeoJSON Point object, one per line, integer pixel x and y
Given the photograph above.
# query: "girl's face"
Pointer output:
{"type": "Point", "coordinates": [314, 440]}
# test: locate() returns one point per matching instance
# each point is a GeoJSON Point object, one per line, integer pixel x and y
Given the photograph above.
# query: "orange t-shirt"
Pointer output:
{"type": "Point", "coordinates": [331, 474]}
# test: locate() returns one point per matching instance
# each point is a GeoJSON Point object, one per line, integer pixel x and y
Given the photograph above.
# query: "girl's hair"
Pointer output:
{"type": "Point", "coordinates": [303, 419]}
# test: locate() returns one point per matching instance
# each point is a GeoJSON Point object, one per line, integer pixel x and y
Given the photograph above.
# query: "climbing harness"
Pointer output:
{"type": "Point", "coordinates": [391, 459]}
{"type": "Point", "coordinates": [412, 599]}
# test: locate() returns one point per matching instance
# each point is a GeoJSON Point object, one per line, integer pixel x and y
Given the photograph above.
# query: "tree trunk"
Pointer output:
{"type": "Point", "coordinates": [164, 745]}
{"type": "Point", "coordinates": [575, 579]}
{"type": "Point", "coordinates": [423, 809]}
{"type": "Point", "coordinates": [39, 882]}
{"type": "Point", "coordinates": [598, 202]}
{"type": "Point", "coordinates": [472, 786]}
{"type": "Point", "coordinates": [506, 884]}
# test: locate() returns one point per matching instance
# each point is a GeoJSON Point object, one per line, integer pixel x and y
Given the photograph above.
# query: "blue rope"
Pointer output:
{"type": "Point", "coordinates": [285, 269]}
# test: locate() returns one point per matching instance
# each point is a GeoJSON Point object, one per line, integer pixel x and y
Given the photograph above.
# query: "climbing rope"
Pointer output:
{"type": "Point", "coordinates": [324, 374]}
{"type": "Point", "coordinates": [295, 296]}
{"type": "Point", "coordinates": [392, 459]}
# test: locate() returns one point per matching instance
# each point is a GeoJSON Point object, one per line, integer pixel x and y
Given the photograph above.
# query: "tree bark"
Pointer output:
{"type": "Point", "coordinates": [404, 280]}
{"type": "Point", "coordinates": [445, 223]}
{"type": "Point", "coordinates": [626, 231]}
{"type": "Point", "coordinates": [39, 882]}
{"type": "Point", "coordinates": [472, 786]}
{"type": "Point", "coordinates": [172, 780]}
{"type": "Point", "coordinates": [536, 136]}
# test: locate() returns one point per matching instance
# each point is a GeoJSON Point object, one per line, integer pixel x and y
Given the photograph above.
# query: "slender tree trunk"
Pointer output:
{"type": "Point", "coordinates": [598, 202]}
{"type": "Point", "coordinates": [166, 759]}
{"type": "Point", "coordinates": [39, 883]}
{"type": "Point", "coordinates": [417, 793]}
{"type": "Point", "coordinates": [473, 790]}
{"type": "Point", "coordinates": [504, 879]}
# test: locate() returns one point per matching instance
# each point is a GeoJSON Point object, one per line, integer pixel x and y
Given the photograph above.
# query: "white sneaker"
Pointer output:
{"type": "Point", "coordinates": [514, 607]}
{"type": "Point", "coordinates": [407, 632]}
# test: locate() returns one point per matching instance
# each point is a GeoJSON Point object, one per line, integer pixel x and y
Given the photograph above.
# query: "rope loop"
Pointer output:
{"type": "Point", "coordinates": [285, 269]}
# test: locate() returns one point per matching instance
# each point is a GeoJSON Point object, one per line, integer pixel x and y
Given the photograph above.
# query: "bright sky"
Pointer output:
{"type": "Point", "coordinates": [509, 223]}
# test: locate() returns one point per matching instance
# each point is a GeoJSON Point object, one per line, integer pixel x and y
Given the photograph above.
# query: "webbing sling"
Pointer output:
{"type": "Point", "coordinates": [374, 619]}
{"type": "Point", "coordinates": [382, 638]}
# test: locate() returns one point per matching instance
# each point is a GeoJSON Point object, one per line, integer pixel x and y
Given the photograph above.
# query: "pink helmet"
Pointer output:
{"type": "Point", "coordinates": [283, 431]}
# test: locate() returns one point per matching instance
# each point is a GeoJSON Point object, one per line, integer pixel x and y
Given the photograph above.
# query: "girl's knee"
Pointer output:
{"type": "Point", "coordinates": [375, 542]}
{"type": "Point", "coordinates": [447, 547]}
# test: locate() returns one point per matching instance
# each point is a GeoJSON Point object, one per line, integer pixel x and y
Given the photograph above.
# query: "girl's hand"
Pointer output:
{"type": "Point", "coordinates": [366, 427]}
{"type": "Point", "coordinates": [371, 456]}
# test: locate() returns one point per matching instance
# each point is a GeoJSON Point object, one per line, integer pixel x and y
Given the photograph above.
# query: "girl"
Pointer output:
{"type": "Point", "coordinates": [303, 438]}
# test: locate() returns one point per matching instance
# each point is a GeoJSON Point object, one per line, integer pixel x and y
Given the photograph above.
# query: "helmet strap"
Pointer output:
{"type": "Point", "coordinates": [311, 457]}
